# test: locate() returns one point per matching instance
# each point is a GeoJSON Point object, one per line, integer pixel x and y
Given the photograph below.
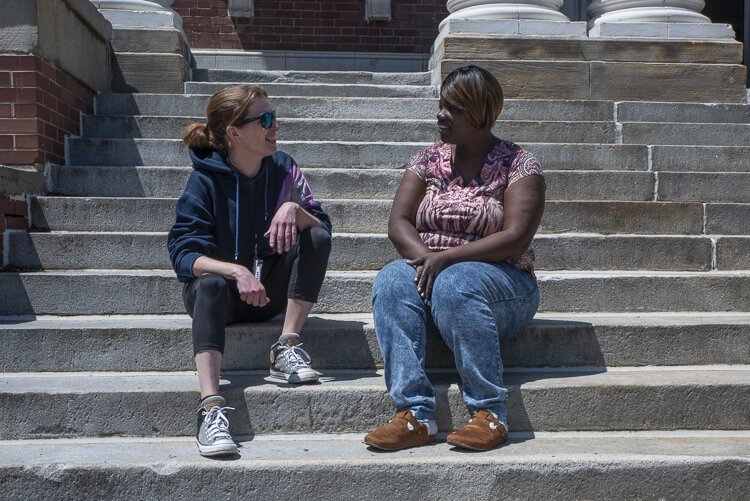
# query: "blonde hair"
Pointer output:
{"type": "Point", "coordinates": [225, 108]}
{"type": "Point", "coordinates": [476, 92]}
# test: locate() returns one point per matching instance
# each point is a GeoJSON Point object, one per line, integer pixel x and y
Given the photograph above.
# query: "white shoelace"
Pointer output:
{"type": "Point", "coordinates": [218, 424]}
{"type": "Point", "coordinates": [295, 356]}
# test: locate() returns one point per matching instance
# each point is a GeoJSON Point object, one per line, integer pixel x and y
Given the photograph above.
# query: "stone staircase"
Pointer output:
{"type": "Point", "coordinates": [633, 381]}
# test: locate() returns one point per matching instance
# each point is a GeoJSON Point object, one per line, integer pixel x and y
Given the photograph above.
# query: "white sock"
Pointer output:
{"type": "Point", "coordinates": [431, 424]}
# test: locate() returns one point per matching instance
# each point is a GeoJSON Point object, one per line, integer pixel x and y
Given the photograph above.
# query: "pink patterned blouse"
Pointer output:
{"type": "Point", "coordinates": [451, 214]}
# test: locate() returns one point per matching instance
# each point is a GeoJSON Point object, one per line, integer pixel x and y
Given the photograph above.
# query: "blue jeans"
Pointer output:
{"type": "Point", "coordinates": [474, 306]}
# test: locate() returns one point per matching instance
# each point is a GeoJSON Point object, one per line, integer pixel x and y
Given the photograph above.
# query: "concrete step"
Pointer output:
{"type": "Point", "coordinates": [371, 216]}
{"type": "Point", "coordinates": [52, 405]}
{"type": "Point", "coordinates": [324, 89]}
{"type": "Point", "coordinates": [295, 106]}
{"type": "Point", "coordinates": [347, 341]}
{"type": "Point", "coordinates": [704, 186]}
{"type": "Point", "coordinates": [700, 158]}
{"type": "Point", "coordinates": [107, 292]}
{"type": "Point", "coordinates": [532, 466]}
{"type": "Point", "coordinates": [378, 130]}
{"type": "Point", "coordinates": [686, 133]}
{"type": "Point", "coordinates": [167, 182]}
{"type": "Point", "coordinates": [553, 156]}
{"type": "Point", "coordinates": [367, 251]}
{"type": "Point", "coordinates": [639, 111]}
{"type": "Point", "coordinates": [324, 77]}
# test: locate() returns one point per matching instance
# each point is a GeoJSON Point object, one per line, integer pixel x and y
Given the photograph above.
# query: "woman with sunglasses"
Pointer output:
{"type": "Point", "coordinates": [463, 218]}
{"type": "Point", "coordinates": [249, 242]}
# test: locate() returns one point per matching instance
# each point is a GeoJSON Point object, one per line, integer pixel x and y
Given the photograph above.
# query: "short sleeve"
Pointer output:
{"type": "Point", "coordinates": [418, 165]}
{"type": "Point", "coordinates": [523, 165]}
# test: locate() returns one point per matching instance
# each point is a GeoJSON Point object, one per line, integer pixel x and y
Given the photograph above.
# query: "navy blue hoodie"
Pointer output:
{"type": "Point", "coordinates": [223, 214]}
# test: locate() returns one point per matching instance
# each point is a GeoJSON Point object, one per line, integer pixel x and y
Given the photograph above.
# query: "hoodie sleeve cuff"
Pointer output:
{"type": "Point", "coordinates": [185, 267]}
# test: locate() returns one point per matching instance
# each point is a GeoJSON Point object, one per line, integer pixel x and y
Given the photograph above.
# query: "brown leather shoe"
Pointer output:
{"type": "Point", "coordinates": [399, 433]}
{"type": "Point", "coordinates": [484, 432]}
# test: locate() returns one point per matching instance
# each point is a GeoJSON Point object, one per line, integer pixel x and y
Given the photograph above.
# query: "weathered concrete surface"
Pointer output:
{"type": "Point", "coordinates": [39, 405]}
{"type": "Point", "coordinates": [352, 107]}
{"type": "Point", "coordinates": [146, 72]}
{"type": "Point", "coordinates": [106, 292]}
{"type": "Point", "coordinates": [323, 89]}
{"type": "Point", "coordinates": [370, 216]}
{"type": "Point", "coordinates": [21, 180]}
{"type": "Point", "coordinates": [733, 253]}
{"type": "Point", "coordinates": [715, 83]}
{"type": "Point", "coordinates": [172, 152]}
{"type": "Point", "coordinates": [683, 112]}
{"type": "Point", "coordinates": [348, 341]}
{"type": "Point", "coordinates": [737, 134]}
{"type": "Point", "coordinates": [704, 187]}
{"type": "Point", "coordinates": [473, 47]}
{"type": "Point", "coordinates": [293, 76]}
{"type": "Point", "coordinates": [550, 466]}
{"type": "Point", "coordinates": [701, 158]}
{"type": "Point", "coordinates": [327, 183]}
{"type": "Point", "coordinates": [340, 129]}
{"type": "Point", "coordinates": [153, 40]}
{"type": "Point", "coordinates": [371, 251]}
{"type": "Point", "coordinates": [728, 219]}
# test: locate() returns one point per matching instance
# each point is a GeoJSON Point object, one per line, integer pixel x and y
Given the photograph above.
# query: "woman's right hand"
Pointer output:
{"type": "Point", "coordinates": [251, 290]}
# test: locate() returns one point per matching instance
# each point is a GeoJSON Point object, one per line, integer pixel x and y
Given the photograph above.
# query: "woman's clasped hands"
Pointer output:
{"type": "Point", "coordinates": [428, 268]}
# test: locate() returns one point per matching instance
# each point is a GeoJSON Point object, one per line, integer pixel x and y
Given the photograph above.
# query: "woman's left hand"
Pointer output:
{"type": "Point", "coordinates": [428, 268]}
{"type": "Point", "coordinates": [282, 234]}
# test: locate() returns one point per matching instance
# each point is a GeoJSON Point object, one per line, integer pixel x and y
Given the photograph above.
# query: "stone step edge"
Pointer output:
{"type": "Point", "coordinates": [541, 275]}
{"type": "Point", "coordinates": [596, 318]}
{"type": "Point", "coordinates": [358, 379]}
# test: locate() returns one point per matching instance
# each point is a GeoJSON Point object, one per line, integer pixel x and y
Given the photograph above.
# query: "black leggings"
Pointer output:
{"type": "Point", "coordinates": [213, 301]}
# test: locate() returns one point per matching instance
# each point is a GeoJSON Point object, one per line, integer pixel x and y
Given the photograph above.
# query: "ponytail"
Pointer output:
{"type": "Point", "coordinates": [196, 136]}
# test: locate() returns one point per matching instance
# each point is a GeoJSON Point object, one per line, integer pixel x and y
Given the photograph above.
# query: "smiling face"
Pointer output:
{"type": "Point", "coordinates": [251, 138]}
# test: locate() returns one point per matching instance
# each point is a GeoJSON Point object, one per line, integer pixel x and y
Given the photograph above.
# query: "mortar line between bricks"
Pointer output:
{"type": "Point", "coordinates": [649, 159]}
{"type": "Point", "coordinates": [704, 214]}
{"type": "Point", "coordinates": [656, 187]}
{"type": "Point", "coordinates": [714, 259]}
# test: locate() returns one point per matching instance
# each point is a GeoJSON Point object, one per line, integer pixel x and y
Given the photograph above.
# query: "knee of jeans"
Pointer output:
{"type": "Point", "coordinates": [392, 281]}
{"type": "Point", "coordinates": [212, 286]}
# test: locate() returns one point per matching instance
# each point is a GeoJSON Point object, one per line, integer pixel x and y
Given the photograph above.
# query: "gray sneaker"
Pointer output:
{"type": "Point", "coordinates": [290, 362]}
{"type": "Point", "coordinates": [213, 436]}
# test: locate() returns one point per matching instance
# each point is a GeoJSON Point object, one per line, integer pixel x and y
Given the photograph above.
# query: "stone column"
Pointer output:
{"type": "Point", "coordinates": [509, 17]}
{"type": "Point", "coordinates": [653, 19]}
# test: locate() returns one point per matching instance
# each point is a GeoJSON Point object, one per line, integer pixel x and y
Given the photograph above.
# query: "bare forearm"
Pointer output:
{"type": "Point", "coordinates": [205, 264]}
{"type": "Point", "coordinates": [405, 238]}
{"type": "Point", "coordinates": [490, 249]}
{"type": "Point", "coordinates": [306, 220]}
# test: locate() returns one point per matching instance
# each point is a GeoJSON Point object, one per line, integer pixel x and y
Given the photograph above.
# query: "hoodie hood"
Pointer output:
{"type": "Point", "coordinates": [210, 160]}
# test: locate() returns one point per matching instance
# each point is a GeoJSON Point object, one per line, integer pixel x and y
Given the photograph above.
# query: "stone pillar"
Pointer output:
{"type": "Point", "coordinates": [150, 50]}
{"type": "Point", "coordinates": [509, 17]}
{"type": "Point", "coordinates": [653, 19]}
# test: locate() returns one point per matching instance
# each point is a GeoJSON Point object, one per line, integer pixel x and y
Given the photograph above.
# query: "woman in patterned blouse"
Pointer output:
{"type": "Point", "coordinates": [463, 220]}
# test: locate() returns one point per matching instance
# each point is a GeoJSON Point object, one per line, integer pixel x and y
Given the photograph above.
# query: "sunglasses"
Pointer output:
{"type": "Point", "coordinates": [266, 120]}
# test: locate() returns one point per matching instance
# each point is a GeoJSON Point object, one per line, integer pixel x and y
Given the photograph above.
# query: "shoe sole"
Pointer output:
{"type": "Point", "coordinates": [294, 378]}
{"type": "Point", "coordinates": [465, 446]}
{"type": "Point", "coordinates": [216, 450]}
{"type": "Point", "coordinates": [381, 448]}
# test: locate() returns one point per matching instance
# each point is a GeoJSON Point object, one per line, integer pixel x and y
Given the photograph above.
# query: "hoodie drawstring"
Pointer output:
{"type": "Point", "coordinates": [237, 217]}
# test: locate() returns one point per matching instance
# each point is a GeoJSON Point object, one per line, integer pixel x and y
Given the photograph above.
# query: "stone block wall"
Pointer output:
{"type": "Point", "coordinates": [335, 25]}
{"type": "Point", "coordinates": [39, 105]}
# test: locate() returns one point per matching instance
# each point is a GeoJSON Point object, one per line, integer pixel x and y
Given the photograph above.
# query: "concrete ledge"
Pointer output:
{"type": "Point", "coordinates": [22, 180]}
{"type": "Point", "coordinates": [309, 60]}
{"type": "Point", "coordinates": [691, 31]}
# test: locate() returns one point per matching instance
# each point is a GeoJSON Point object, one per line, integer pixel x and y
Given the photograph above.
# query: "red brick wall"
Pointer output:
{"type": "Point", "coordinates": [335, 25]}
{"type": "Point", "coordinates": [39, 105]}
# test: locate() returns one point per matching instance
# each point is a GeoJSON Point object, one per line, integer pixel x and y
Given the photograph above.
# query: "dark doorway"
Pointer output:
{"type": "Point", "coordinates": [736, 13]}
